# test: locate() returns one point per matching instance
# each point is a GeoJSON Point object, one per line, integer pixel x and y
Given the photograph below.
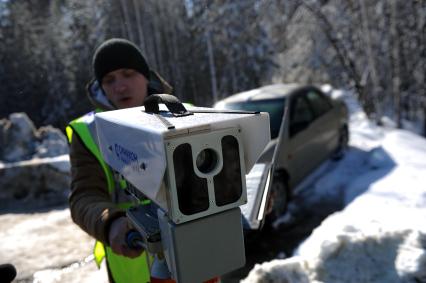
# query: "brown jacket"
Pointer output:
{"type": "Point", "coordinates": [90, 203]}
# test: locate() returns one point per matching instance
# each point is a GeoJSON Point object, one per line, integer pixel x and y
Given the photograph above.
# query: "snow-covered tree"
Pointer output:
{"type": "Point", "coordinates": [377, 47]}
{"type": "Point", "coordinates": [210, 49]}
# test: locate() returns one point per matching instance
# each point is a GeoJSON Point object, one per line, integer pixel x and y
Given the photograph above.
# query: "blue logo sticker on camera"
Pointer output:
{"type": "Point", "coordinates": [126, 156]}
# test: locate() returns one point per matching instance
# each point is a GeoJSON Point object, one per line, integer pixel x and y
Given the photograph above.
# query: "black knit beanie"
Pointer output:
{"type": "Point", "coordinates": [117, 53]}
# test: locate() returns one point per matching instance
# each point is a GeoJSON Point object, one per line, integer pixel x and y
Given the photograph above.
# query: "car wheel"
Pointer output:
{"type": "Point", "coordinates": [278, 199]}
{"type": "Point", "coordinates": [343, 144]}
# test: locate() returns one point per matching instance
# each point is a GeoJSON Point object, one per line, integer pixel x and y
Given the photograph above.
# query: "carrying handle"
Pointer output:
{"type": "Point", "coordinates": [172, 102]}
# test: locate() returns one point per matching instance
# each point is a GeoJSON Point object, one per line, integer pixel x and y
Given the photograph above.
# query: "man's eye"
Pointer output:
{"type": "Point", "coordinates": [107, 81]}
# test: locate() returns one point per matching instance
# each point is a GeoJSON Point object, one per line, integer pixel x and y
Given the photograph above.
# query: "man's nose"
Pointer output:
{"type": "Point", "coordinates": [119, 86]}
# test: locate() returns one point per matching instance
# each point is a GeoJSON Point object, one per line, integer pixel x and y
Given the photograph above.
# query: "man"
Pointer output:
{"type": "Point", "coordinates": [97, 200]}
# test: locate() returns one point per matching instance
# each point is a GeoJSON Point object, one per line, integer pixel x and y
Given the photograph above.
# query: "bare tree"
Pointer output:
{"type": "Point", "coordinates": [127, 20]}
{"type": "Point", "coordinates": [342, 52]}
{"type": "Point", "coordinates": [212, 67]}
{"type": "Point", "coordinates": [395, 62]}
{"type": "Point", "coordinates": [371, 59]}
{"type": "Point", "coordinates": [210, 49]}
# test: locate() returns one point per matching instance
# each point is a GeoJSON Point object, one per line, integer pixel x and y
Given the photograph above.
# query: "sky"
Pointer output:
{"type": "Point", "coordinates": [377, 235]}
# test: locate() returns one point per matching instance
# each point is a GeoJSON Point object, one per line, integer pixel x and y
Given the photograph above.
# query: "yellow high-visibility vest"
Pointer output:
{"type": "Point", "coordinates": [123, 269]}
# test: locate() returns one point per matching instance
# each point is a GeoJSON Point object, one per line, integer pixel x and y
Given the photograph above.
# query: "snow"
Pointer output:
{"type": "Point", "coordinates": [377, 236]}
{"type": "Point", "coordinates": [60, 162]}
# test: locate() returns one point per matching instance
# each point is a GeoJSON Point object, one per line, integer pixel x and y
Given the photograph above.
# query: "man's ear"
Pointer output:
{"type": "Point", "coordinates": [158, 85]}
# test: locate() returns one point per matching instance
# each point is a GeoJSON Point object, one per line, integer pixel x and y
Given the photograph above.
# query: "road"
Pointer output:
{"type": "Point", "coordinates": [46, 246]}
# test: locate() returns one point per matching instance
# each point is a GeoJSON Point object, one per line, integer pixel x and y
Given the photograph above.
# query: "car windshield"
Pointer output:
{"type": "Point", "coordinates": [275, 108]}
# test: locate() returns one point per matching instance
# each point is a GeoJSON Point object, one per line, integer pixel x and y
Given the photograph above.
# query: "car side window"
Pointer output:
{"type": "Point", "coordinates": [320, 104]}
{"type": "Point", "coordinates": [301, 115]}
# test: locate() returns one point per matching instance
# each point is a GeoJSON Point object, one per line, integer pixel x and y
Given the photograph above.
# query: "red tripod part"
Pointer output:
{"type": "Point", "coordinates": [158, 280]}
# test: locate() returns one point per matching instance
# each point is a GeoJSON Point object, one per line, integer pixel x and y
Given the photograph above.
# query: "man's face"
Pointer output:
{"type": "Point", "coordinates": [125, 88]}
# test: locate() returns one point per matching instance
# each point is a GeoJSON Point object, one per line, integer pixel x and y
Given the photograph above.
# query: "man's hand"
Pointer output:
{"type": "Point", "coordinates": [117, 238]}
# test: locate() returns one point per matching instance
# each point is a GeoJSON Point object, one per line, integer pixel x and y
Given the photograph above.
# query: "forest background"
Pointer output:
{"type": "Point", "coordinates": [208, 50]}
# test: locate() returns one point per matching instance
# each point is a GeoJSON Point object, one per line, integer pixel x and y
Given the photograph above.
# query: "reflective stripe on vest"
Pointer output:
{"type": "Point", "coordinates": [123, 269]}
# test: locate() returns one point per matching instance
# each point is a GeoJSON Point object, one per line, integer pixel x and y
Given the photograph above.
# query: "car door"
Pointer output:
{"type": "Point", "coordinates": [325, 125]}
{"type": "Point", "coordinates": [301, 146]}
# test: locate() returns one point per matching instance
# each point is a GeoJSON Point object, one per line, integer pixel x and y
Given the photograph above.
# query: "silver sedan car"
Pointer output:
{"type": "Point", "coordinates": [307, 127]}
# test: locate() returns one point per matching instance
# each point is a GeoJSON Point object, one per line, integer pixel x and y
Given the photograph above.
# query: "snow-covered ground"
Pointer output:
{"type": "Point", "coordinates": [379, 234]}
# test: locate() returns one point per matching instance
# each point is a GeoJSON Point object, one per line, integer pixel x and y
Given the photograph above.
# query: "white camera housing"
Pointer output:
{"type": "Point", "coordinates": [190, 166]}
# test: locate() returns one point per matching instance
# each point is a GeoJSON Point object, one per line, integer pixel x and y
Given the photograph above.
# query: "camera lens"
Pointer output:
{"type": "Point", "coordinates": [206, 160]}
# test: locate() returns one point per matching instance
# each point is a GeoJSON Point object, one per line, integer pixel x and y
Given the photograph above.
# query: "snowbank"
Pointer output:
{"type": "Point", "coordinates": [379, 236]}
{"type": "Point", "coordinates": [34, 164]}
